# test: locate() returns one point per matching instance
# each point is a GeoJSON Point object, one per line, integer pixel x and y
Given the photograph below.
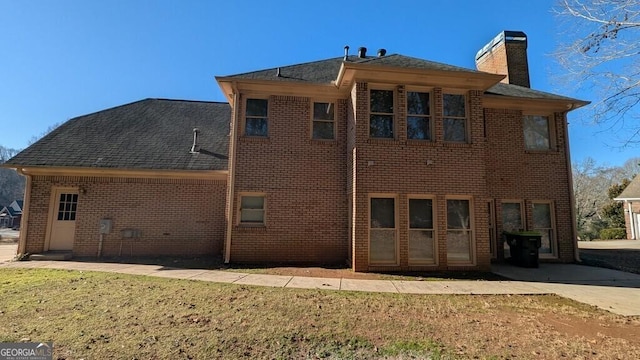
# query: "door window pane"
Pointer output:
{"type": "Point", "coordinates": [382, 233]}
{"type": "Point", "coordinates": [459, 233]}
{"type": "Point", "coordinates": [67, 207]}
{"type": "Point", "coordinates": [512, 217]}
{"type": "Point", "coordinates": [421, 241]}
{"type": "Point", "coordinates": [543, 223]}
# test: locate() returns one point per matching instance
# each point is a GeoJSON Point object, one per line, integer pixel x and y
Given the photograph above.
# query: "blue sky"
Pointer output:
{"type": "Point", "coordinates": [62, 59]}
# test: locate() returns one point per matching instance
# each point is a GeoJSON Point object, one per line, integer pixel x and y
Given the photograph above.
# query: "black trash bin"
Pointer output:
{"type": "Point", "coordinates": [524, 246]}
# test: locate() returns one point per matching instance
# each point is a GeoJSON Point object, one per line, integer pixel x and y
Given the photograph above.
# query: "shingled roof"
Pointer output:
{"type": "Point", "coordinates": [632, 191]}
{"type": "Point", "coordinates": [147, 134]}
{"type": "Point", "coordinates": [325, 71]}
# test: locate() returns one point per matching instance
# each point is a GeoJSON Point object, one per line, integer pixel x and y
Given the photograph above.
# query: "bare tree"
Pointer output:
{"type": "Point", "coordinates": [601, 52]}
{"type": "Point", "coordinates": [590, 184]}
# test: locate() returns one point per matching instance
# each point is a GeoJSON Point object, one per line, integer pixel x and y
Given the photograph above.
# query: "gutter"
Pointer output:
{"type": "Point", "coordinates": [232, 176]}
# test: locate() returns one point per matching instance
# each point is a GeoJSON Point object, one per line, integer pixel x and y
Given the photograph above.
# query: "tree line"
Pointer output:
{"type": "Point", "coordinates": [595, 186]}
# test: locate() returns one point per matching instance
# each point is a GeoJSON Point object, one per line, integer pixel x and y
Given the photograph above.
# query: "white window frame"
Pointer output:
{"type": "Point", "coordinates": [373, 87]}
{"type": "Point", "coordinates": [465, 119]}
{"type": "Point", "coordinates": [434, 229]}
{"type": "Point", "coordinates": [247, 117]}
{"type": "Point", "coordinates": [263, 210]}
{"type": "Point", "coordinates": [395, 262]}
{"type": "Point", "coordinates": [314, 120]}
{"type": "Point", "coordinates": [471, 230]}
{"type": "Point", "coordinates": [553, 241]}
{"type": "Point", "coordinates": [428, 117]}
{"type": "Point", "coordinates": [551, 139]}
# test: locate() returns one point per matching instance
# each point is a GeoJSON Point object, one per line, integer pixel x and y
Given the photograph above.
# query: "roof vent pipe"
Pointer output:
{"type": "Point", "coordinates": [362, 52]}
{"type": "Point", "coordinates": [195, 148]}
{"type": "Point", "coordinates": [278, 72]}
{"type": "Point", "coordinates": [382, 52]}
{"type": "Point", "coordinates": [346, 52]}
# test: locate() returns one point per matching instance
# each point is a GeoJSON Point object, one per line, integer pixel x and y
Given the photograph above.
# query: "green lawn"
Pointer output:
{"type": "Point", "coordinates": [90, 315]}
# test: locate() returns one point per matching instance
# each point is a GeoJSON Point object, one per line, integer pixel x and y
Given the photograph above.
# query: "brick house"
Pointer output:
{"type": "Point", "coordinates": [630, 197]}
{"type": "Point", "coordinates": [11, 215]}
{"type": "Point", "coordinates": [387, 162]}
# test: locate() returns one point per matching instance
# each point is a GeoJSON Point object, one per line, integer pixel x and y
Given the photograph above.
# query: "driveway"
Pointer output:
{"type": "Point", "coordinates": [613, 254]}
{"type": "Point", "coordinates": [7, 251]}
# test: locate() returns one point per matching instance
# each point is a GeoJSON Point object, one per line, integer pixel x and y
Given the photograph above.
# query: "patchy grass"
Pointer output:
{"type": "Point", "coordinates": [101, 316]}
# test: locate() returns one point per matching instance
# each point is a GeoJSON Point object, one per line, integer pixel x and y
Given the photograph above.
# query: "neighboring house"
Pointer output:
{"type": "Point", "coordinates": [631, 198]}
{"type": "Point", "coordinates": [11, 215]}
{"type": "Point", "coordinates": [387, 162]}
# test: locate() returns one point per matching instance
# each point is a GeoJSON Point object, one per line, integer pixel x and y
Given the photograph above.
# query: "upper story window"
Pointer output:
{"type": "Point", "coordinates": [455, 117]}
{"type": "Point", "coordinates": [536, 132]}
{"type": "Point", "coordinates": [323, 121]}
{"type": "Point", "coordinates": [381, 114]}
{"type": "Point", "coordinates": [256, 122]}
{"type": "Point", "coordinates": [418, 116]}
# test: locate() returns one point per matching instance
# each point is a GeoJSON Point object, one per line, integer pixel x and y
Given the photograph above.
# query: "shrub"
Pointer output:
{"type": "Point", "coordinates": [613, 233]}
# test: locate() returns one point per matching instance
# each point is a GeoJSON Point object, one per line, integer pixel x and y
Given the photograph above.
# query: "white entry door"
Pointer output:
{"type": "Point", "coordinates": [63, 219]}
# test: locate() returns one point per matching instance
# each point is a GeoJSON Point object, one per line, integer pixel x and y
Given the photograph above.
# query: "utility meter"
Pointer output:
{"type": "Point", "coordinates": [105, 226]}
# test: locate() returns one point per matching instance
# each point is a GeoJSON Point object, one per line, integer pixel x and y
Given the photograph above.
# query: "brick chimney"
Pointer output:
{"type": "Point", "coordinates": [506, 54]}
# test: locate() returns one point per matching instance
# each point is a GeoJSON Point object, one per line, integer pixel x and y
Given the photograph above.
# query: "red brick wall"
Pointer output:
{"type": "Point", "coordinates": [400, 167]}
{"type": "Point", "coordinates": [305, 185]}
{"type": "Point", "coordinates": [175, 217]}
{"type": "Point", "coordinates": [517, 174]}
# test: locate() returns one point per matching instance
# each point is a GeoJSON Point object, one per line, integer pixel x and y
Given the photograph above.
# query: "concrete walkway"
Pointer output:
{"type": "Point", "coordinates": [611, 290]}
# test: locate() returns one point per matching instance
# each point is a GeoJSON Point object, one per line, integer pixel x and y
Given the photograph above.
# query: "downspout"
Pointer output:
{"type": "Point", "coordinates": [634, 236]}
{"type": "Point", "coordinates": [572, 198]}
{"type": "Point", "coordinates": [233, 139]}
{"type": "Point", "coordinates": [24, 223]}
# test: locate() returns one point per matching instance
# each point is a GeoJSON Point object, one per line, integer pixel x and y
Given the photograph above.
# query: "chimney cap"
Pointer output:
{"type": "Point", "coordinates": [503, 36]}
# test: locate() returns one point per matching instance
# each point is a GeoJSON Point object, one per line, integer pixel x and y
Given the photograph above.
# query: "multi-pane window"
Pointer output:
{"type": "Point", "coordinates": [323, 121]}
{"type": "Point", "coordinates": [459, 233]}
{"type": "Point", "coordinates": [381, 114]}
{"type": "Point", "coordinates": [418, 116]}
{"type": "Point", "coordinates": [455, 117]}
{"type": "Point", "coordinates": [256, 122]}
{"type": "Point", "coordinates": [382, 233]}
{"type": "Point", "coordinates": [252, 209]}
{"type": "Point", "coordinates": [67, 207]}
{"type": "Point", "coordinates": [536, 132]}
{"type": "Point", "coordinates": [542, 217]}
{"type": "Point", "coordinates": [511, 221]}
{"type": "Point", "coordinates": [421, 234]}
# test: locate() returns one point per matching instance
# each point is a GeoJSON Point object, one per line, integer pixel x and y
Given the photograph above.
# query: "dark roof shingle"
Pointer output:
{"type": "Point", "coordinates": [325, 71]}
{"type": "Point", "coordinates": [147, 134]}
